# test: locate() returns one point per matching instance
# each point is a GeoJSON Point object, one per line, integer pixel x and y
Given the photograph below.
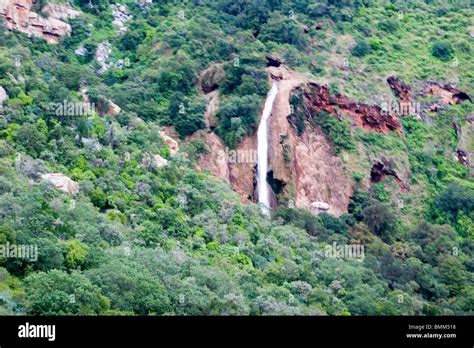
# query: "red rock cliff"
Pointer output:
{"type": "Point", "coordinates": [50, 24]}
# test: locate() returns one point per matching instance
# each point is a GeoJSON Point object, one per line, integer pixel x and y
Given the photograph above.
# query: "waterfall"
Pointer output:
{"type": "Point", "coordinates": [262, 152]}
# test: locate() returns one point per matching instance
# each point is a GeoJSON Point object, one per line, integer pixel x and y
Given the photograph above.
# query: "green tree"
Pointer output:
{"type": "Point", "coordinates": [76, 254]}
{"type": "Point", "coordinates": [130, 288]}
{"type": "Point", "coordinates": [60, 293]}
{"type": "Point", "coordinates": [361, 49]}
{"type": "Point", "coordinates": [380, 219]}
{"type": "Point", "coordinates": [442, 50]}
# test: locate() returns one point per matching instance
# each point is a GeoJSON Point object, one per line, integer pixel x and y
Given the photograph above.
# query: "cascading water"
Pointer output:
{"type": "Point", "coordinates": [262, 151]}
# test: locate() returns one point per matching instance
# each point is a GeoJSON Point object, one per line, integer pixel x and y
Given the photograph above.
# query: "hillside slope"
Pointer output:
{"type": "Point", "coordinates": [120, 193]}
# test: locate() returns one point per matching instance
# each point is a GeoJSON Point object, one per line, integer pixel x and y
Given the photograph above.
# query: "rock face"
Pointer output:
{"type": "Point", "coordinates": [159, 161]}
{"type": "Point", "coordinates": [121, 16]}
{"type": "Point", "coordinates": [114, 109]}
{"type": "Point", "coordinates": [62, 182]}
{"type": "Point", "coordinates": [274, 61]}
{"type": "Point", "coordinates": [369, 117]}
{"type": "Point", "coordinates": [303, 170]}
{"type": "Point", "coordinates": [448, 94]}
{"type": "Point", "coordinates": [102, 54]}
{"type": "Point", "coordinates": [172, 144]}
{"type": "Point", "coordinates": [400, 88]}
{"type": "Point", "coordinates": [212, 160]}
{"type": "Point", "coordinates": [380, 169]}
{"type": "Point", "coordinates": [445, 94]}
{"type": "Point", "coordinates": [50, 24]}
{"type": "Point", "coordinates": [210, 78]}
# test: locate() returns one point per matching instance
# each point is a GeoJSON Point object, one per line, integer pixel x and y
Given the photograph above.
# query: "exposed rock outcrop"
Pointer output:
{"type": "Point", "coordinates": [170, 142]}
{"type": "Point", "coordinates": [445, 94]}
{"type": "Point", "coordinates": [212, 159]}
{"type": "Point", "coordinates": [144, 4]}
{"type": "Point", "coordinates": [464, 134]}
{"type": "Point", "coordinates": [159, 161]}
{"type": "Point", "coordinates": [102, 53]}
{"type": "Point", "coordinates": [50, 24]}
{"type": "Point", "coordinates": [369, 117]}
{"type": "Point", "coordinates": [448, 94]}
{"type": "Point", "coordinates": [210, 78]}
{"type": "Point", "coordinates": [61, 182]}
{"type": "Point", "coordinates": [274, 61]}
{"type": "Point", "coordinates": [462, 157]}
{"type": "Point", "coordinates": [3, 95]}
{"type": "Point", "coordinates": [121, 16]}
{"type": "Point", "coordinates": [380, 169]}
{"type": "Point", "coordinates": [114, 109]}
{"type": "Point", "coordinates": [303, 167]}
{"type": "Point", "coordinates": [470, 31]}
{"type": "Point", "coordinates": [400, 89]}
{"type": "Point", "coordinates": [81, 51]}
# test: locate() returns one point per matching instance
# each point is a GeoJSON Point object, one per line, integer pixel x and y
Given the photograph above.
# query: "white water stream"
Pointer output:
{"type": "Point", "coordinates": [262, 151]}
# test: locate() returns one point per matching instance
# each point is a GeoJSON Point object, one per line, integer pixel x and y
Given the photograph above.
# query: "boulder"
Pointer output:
{"type": "Point", "coordinates": [92, 144]}
{"type": "Point", "coordinates": [102, 54]}
{"type": "Point", "coordinates": [318, 207]}
{"type": "Point", "coordinates": [172, 144]}
{"type": "Point", "coordinates": [211, 78]}
{"type": "Point", "coordinates": [159, 161]}
{"type": "Point", "coordinates": [114, 109]}
{"type": "Point", "coordinates": [61, 182]}
{"type": "Point", "coordinates": [121, 16]}
{"type": "Point", "coordinates": [81, 51]}
{"type": "Point", "coordinates": [3, 95]}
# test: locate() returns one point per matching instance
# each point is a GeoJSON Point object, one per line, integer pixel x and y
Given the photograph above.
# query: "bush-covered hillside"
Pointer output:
{"type": "Point", "coordinates": [142, 240]}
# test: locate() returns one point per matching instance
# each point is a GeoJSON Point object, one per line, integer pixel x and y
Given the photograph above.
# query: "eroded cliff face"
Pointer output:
{"type": "Point", "coordinates": [235, 166]}
{"type": "Point", "coordinates": [442, 94]}
{"type": "Point", "coordinates": [50, 24]}
{"type": "Point", "coordinates": [304, 172]}
{"type": "Point", "coordinates": [368, 117]}
{"type": "Point", "coordinates": [448, 94]}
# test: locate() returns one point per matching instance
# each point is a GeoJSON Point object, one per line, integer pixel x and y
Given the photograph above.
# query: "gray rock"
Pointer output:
{"type": "Point", "coordinates": [102, 54]}
{"type": "Point", "coordinates": [81, 51]}
{"type": "Point", "coordinates": [61, 182]}
{"type": "Point", "coordinates": [319, 207]}
{"type": "Point", "coordinates": [121, 16]}
{"type": "Point", "coordinates": [159, 161]}
{"type": "Point", "coordinates": [3, 95]}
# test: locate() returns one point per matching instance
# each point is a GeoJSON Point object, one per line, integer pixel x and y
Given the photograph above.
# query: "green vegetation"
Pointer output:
{"type": "Point", "coordinates": [141, 240]}
{"type": "Point", "coordinates": [337, 130]}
